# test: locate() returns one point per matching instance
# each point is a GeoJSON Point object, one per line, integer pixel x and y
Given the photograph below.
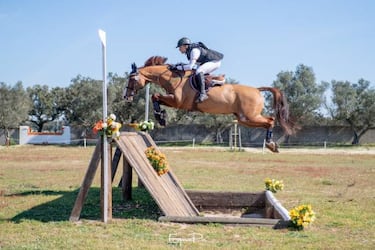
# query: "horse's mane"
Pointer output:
{"type": "Point", "coordinates": [155, 60]}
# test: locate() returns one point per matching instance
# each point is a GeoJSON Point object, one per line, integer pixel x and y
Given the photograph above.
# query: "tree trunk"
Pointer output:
{"type": "Point", "coordinates": [355, 138]}
{"type": "Point", "coordinates": [359, 135]}
{"type": "Point", "coordinates": [219, 137]}
{"type": "Point", "coordinates": [7, 137]}
{"type": "Point", "coordinates": [287, 138]}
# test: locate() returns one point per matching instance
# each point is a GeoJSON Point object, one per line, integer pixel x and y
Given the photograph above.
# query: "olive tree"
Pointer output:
{"type": "Point", "coordinates": [353, 103]}
{"type": "Point", "coordinates": [14, 104]}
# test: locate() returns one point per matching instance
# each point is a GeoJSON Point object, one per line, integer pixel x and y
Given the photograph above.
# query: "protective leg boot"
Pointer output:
{"type": "Point", "coordinates": [202, 94]}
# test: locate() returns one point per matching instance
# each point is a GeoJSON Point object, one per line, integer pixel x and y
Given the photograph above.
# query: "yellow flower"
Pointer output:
{"type": "Point", "coordinates": [301, 216]}
{"type": "Point", "coordinates": [273, 185]}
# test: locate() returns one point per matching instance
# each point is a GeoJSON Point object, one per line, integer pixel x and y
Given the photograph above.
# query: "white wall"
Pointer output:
{"type": "Point", "coordinates": [27, 137]}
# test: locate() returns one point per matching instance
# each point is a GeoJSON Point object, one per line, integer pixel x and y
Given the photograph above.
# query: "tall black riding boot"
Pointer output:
{"type": "Point", "coordinates": [202, 94]}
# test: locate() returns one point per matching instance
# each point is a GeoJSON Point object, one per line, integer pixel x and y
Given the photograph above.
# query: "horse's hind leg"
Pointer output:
{"type": "Point", "coordinates": [257, 121]}
{"type": "Point", "coordinates": [260, 121]}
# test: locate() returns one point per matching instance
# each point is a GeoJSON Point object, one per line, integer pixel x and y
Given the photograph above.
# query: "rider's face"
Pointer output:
{"type": "Point", "coordinates": [183, 48]}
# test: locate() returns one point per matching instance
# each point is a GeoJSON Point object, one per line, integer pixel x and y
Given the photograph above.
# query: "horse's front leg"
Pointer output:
{"type": "Point", "coordinates": [161, 114]}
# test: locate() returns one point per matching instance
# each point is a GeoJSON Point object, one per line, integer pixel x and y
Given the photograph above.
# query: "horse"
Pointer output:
{"type": "Point", "coordinates": [244, 102]}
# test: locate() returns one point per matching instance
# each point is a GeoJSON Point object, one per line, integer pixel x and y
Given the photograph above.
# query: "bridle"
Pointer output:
{"type": "Point", "coordinates": [130, 87]}
{"type": "Point", "coordinates": [134, 80]}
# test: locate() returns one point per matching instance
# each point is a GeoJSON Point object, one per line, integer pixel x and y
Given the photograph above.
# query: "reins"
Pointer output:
{"type": "Point", "coordinates": [174, 87]}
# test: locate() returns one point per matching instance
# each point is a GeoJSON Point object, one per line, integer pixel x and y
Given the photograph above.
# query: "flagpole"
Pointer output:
{"type": "Point", "coordinates": [102, 36]}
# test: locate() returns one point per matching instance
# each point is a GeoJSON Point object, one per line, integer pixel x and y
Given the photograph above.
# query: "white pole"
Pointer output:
{"type": "Point", "coordinates": [147, 100]}
{"type": "Point", "coordinates": [264, 146]}
{"type": "Point", "coordinates": [102, 37]}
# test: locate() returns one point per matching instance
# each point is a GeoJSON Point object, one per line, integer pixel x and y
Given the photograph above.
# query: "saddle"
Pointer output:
{"type": "Point", "coordinates": [210, 81]}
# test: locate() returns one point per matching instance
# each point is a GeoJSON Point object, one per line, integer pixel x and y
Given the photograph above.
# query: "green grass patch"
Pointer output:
{"type": "Point", "coordinates": [39, 185]}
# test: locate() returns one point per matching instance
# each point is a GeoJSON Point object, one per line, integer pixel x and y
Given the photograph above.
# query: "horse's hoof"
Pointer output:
{"type": "Point", "coordinates": [163, 122]}
{"type": "Point", "coordinates": [273, 146]}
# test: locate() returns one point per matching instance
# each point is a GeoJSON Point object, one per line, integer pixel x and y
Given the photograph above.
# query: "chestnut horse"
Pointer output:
{"type": "Point", "coordinates": [245, 102]}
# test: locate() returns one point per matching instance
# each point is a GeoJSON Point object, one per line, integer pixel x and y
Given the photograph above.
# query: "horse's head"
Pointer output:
{"type": "Point", "coordinates": [146, 74]}
{"type": "Point", "coordinates": [135, 82]}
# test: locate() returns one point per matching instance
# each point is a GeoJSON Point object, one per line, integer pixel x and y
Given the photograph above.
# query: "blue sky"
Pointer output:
{"type": "Point", "coordinates": [51, 42]}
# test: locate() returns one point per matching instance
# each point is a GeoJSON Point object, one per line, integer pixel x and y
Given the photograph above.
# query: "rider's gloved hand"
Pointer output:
{"type": "Point", "coordinates": [172, 67]}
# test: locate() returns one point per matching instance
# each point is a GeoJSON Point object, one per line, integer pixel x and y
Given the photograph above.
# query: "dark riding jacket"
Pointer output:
{"type": "Point", "coordinates": [207, 55]}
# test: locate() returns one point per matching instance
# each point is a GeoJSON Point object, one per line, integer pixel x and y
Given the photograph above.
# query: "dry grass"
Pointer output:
{"type": "Point", "coordinates": [38, 186]}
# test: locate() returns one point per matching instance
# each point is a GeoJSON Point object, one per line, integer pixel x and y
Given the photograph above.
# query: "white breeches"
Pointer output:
{"type": "Point", "coordinates": [208, 67]}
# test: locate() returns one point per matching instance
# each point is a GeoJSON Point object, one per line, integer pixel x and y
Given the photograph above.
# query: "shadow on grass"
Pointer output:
{"type": "Point", "coordinates": [141, 207]}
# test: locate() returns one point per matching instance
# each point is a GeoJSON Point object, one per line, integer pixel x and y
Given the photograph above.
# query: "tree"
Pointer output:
{"type": "Point", "coordinates": [14, 104]}
{"type": "Point", "coordinates": [354, 104]}
{"type": "Point", "coordinates": [45, 105]}
{"type": "Point", "coordinates": [304, 95]}
{"type": "Point", "coordinates": [84, 102]}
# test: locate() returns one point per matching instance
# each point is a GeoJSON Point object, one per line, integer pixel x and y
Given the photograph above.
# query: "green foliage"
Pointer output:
{"type": "Point", "coordinates": [128, 111]}
{"type": "Point", "coordinates": [14, 105]}
{"type": "Point", "coordinates": [304, 95]}
{"type": "Point", "coordinates": [47, 105]}
{"type": "Point", "coordinates": [85, 105]}
{"type": "Point", "coordinates": [354, 104]}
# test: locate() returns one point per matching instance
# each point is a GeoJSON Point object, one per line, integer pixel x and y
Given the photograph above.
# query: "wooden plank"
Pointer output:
{"type": "Point", "coordinates": [127, 178]}
{"type": "Point", "coordinates": [87, 182]}
{"type": "Point", "coordinates": [209, 199]}
{"type": "Point", "coordinates": [221, 220]}
{"type": "Point", "coordinates": [115, 162]}
{"type": "Point", "coordinates": [174, 181]}
{"type": "Point", "coordinates": [165, 190]}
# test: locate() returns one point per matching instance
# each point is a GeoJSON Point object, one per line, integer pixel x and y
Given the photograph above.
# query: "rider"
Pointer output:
{"type": "Point", "coordinates": [202, 59]}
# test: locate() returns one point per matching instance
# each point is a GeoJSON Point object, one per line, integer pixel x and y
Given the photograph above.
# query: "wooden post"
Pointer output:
{"type": "Point", "coordinates": [109, 181]}
{"type": "Point", "coordinates": [115, 162]}
{"type": "Point", "coordinates": [127, 178]}
{"type": "Point", "coordinates": [87, 181]}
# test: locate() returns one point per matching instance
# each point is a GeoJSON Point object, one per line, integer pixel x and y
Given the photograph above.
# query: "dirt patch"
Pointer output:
{"type": "Point", "coordinates": [312, 171]}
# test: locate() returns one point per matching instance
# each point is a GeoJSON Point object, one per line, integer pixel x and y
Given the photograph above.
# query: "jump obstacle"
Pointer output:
{"type": "Point", "coordinates": [235, 137]}
{"type": "Point", "coordinates": [177, 204]}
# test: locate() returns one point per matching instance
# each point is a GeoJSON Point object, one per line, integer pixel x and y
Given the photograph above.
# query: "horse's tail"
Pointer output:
{"type": "Point", "coordinates": [281, 107]}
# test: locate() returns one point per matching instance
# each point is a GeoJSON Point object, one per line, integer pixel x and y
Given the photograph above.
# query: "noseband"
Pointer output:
{"type": "Point", "coordinates": [132, 77]}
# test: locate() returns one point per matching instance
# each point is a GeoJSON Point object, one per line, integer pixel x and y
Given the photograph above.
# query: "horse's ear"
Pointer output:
{"type": "Point", "coordinates": [134, 68]}
{"type": "Point", "coordinates": [165, 59]}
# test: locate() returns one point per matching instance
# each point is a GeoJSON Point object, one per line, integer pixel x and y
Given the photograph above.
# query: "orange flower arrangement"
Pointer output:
{"type": "Point", "coordinates": [110, 127]}
{"type": "Point", "coordinates": [157, 160]}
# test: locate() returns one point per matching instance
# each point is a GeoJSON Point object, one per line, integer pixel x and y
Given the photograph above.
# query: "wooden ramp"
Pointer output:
{"type": "Point", "coordinates": [165, 189]}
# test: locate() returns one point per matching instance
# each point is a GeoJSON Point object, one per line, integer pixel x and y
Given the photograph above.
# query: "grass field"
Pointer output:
{"type": "Point", "coordinates": [39, 184]}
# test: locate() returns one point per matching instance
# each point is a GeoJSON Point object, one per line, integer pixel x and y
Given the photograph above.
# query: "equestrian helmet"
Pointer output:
{"type": "Point", "coordinates": [183, 41]}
